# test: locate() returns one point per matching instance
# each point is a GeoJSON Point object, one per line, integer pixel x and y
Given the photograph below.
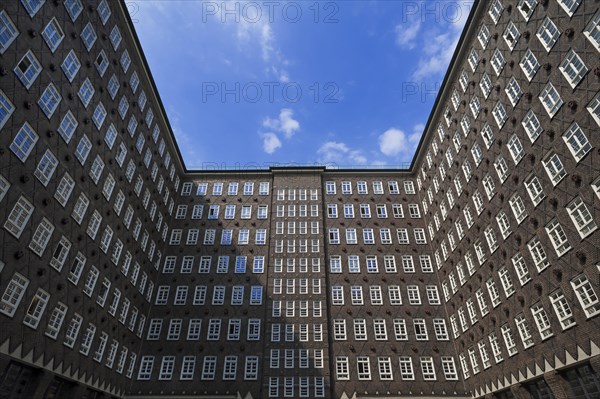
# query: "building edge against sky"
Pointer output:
{"type": "Point", "coordinates": [472, 273]}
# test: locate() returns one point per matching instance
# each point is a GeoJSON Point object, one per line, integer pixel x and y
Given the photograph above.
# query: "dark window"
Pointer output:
{"type": "Point", "coordinates": [538, 389]}
{"type": "Point", "coordinates": [583, 382]}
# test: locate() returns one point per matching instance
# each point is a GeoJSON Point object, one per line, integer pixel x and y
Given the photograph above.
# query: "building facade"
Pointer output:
{"type": "Point", "coordinates": [474, 273]}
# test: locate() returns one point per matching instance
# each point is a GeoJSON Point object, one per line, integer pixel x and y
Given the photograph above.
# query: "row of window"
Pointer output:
{"type": "Point", "coordinates": [381, 329]}
{"type": "Point", "coordinates": [243, 236]}
{"type": "Point", "coordinates": [581, 217]}
{"type": "Point", "coordinates": [234, 329]}
{"type": "Point", "coordinates": [385, 236]}
{"type": "Point", "coordinates": [21, 213]}
{"type": "Point", "coordinates": [232, 188]}
{"type": "Point", "coordinates": [245, 212]}
{"type": "Point", "coordinates": [581, 285]}
{"type": "Point", "coordinates": [290, 332]}
{"type": "Point", "coordinates": [381, 211]}
{"type": "Point", "coordinates": [207, 365]}
{"type": "Point", "coordinates": [14, 293]}
{"type": "Point", "coordinates": [199, 296]}
{"type": "Point", "coordinates": [241, 264]}
{"type": "Point", "coordinates": [413, 293]}
{"type": "Point", "coordinates": [386, 368]}
{"type": "Point", "coordinates": [363, 189]}
{"type": "Point", "coordinates": [372, 266]}
{"type": "Point", "coordinates": [305, 385]}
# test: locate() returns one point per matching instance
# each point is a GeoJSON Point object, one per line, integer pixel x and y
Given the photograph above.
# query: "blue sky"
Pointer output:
{"type": "Point", "coordinates": [344, 83]}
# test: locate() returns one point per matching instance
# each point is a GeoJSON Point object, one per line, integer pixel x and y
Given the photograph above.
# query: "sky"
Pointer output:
{"type": "Point", "coordinates": [336, 83]}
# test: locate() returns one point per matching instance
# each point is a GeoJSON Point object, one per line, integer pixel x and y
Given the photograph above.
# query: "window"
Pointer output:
{"type": "Point", "coordinates": [488, 136]}
{"type": "Point", "coordinates": [569, 6]}
{"type": "Point", "coordinates": [8, 32]}
{"type": "Point", "coordinates": [406, 368]}
{"type": "Point", "coordinates": [513, 90]}
{"type": "Point", "coordinates": [535, 189]}
{"type": "Point", "coordinates": [532, 126]}
{"type": "Point", "coordinates": [554, 168]}
{"type": "Point", "coordinates": [463, 81]}
{"type": "Point", "coordinates": [19, 217]}
{"type": "Point", "coordinates": [515, 148]}
{"type": "Point", "coordinates": [28, 69]}
{"type": "Point", "coordinates": [586, 295]}
{"type": "Point", "coordinates": [486, 85]}
{"type": "Point", "coordinates": [101, 63]}
{"type": "Point", "coordinates": [548, 34]}
{"type": "Point", "coordinates": [489, 186]}
{"type": "Point", "coordinates": [441, 332]}
{"type": "Point", "coordinates": [420, 330]}
{"type": "Point", "coordinates": [49, 100]}
{"type": "Point", "coordinates": [542, 321]}
{"type": "Point", "coordinates": [495, 11]}
{"type": "Point", "coordinates": [593, 108]}
{"type": "Point", "coordinates": [581, 217]}
{"type": "Point", "coordinates": [99, 115]}
{"type": "Point", "coordinates": [526, 7]}
{"type": "Point", "coordinates": [209, 368]}
{"type": "Point", "coordinates": [86, 92]}
{"type": "Point", "coordinates": [501, 168]}
{"type": "Point", "coordinates": [538, 254]}
{"type": "Point", "coordinates": [56, 319]}
{"type": "Point", "coordinates": [506, 281]}
{"type": "Point", "coordinates": [558, 237]}
{"type": "Point", "coordinates": [427, 368]}
{"type": "Point", "coordinates": [88, 35]}
{"type": "Point", "coordinates": [256, 295]}
{"type": "Point", "coordinates": [104, 13]}
{"type": "Point", "coordinates": [385, 368]}
{"type": "Point", "coordinates": [364, 368]}
{"type": "Point", "coordinates": [521, 269]}
{"type": "Point", "coordinates": [592, 30]}
{"type": "Point", "coordinates": [498, 61]}
{"type": "Point", "coordinates": [6, 107]}
{"type": "Point", "coordinates": [511, 35]}
{"type": "Point", "coordinates": [145, 370]}
{"type": "Point", "coordinates": [166, 368]}
{"type": "Point", "coordinates": [53, 34]}
{"type": "Point", "coordinates": [414, 297]}
{"type": "Point", "coordinates": [115, 39]}
{"type": "Point", "coordinates": [573, 68]}
{"type": "Point", "coordinates": [473, 62]}
{"type": "Point", "coordinates": [509, 342]}
{"type": "Point", "coordinates": [500, 114]}
{"type": "Point", "coordinates": [529, 64]}
{"type": "Point", "coordinates": [562, 309]}
{"type": "Point", "coordinates": [74, 8]}
{"type": "Point", "coordinates": [46, 167]}
{"type": "Point", "coordinates": [484, 36]}
{"type": "Point", "coordinates": [41, 237]}
{"type": "Point", "coordinates": [13, 294]}
{"type": "Point", "coordinates": [187, 368]}
{"type": "Point", "coordinates": [577, 141]}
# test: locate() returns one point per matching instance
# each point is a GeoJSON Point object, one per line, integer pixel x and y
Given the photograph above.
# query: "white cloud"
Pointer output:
{"type": "Point", "coordinates": [285, 123]}
{"type": "Point", "coordinates": [340, 153]}
{"type": "Point", "coordinates": [394, 142]}
{"type": "Point", "coordinates": [406, 33]}
{"type": "Point", "coordinates": [437, 41]}
{"type": "Point", "coordinates": [271, 142]}
{"type": "Point", "coordinates": [438, 49]}
{"type": "Point", "coordinates": [266, 41]}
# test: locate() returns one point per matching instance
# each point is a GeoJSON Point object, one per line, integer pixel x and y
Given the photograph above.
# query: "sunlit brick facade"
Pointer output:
{"type": "Point", "coordinates": [473, 273]}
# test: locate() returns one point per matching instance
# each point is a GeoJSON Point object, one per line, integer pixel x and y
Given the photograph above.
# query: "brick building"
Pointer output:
{"type": "Point", "coordinates": [473, 273]}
